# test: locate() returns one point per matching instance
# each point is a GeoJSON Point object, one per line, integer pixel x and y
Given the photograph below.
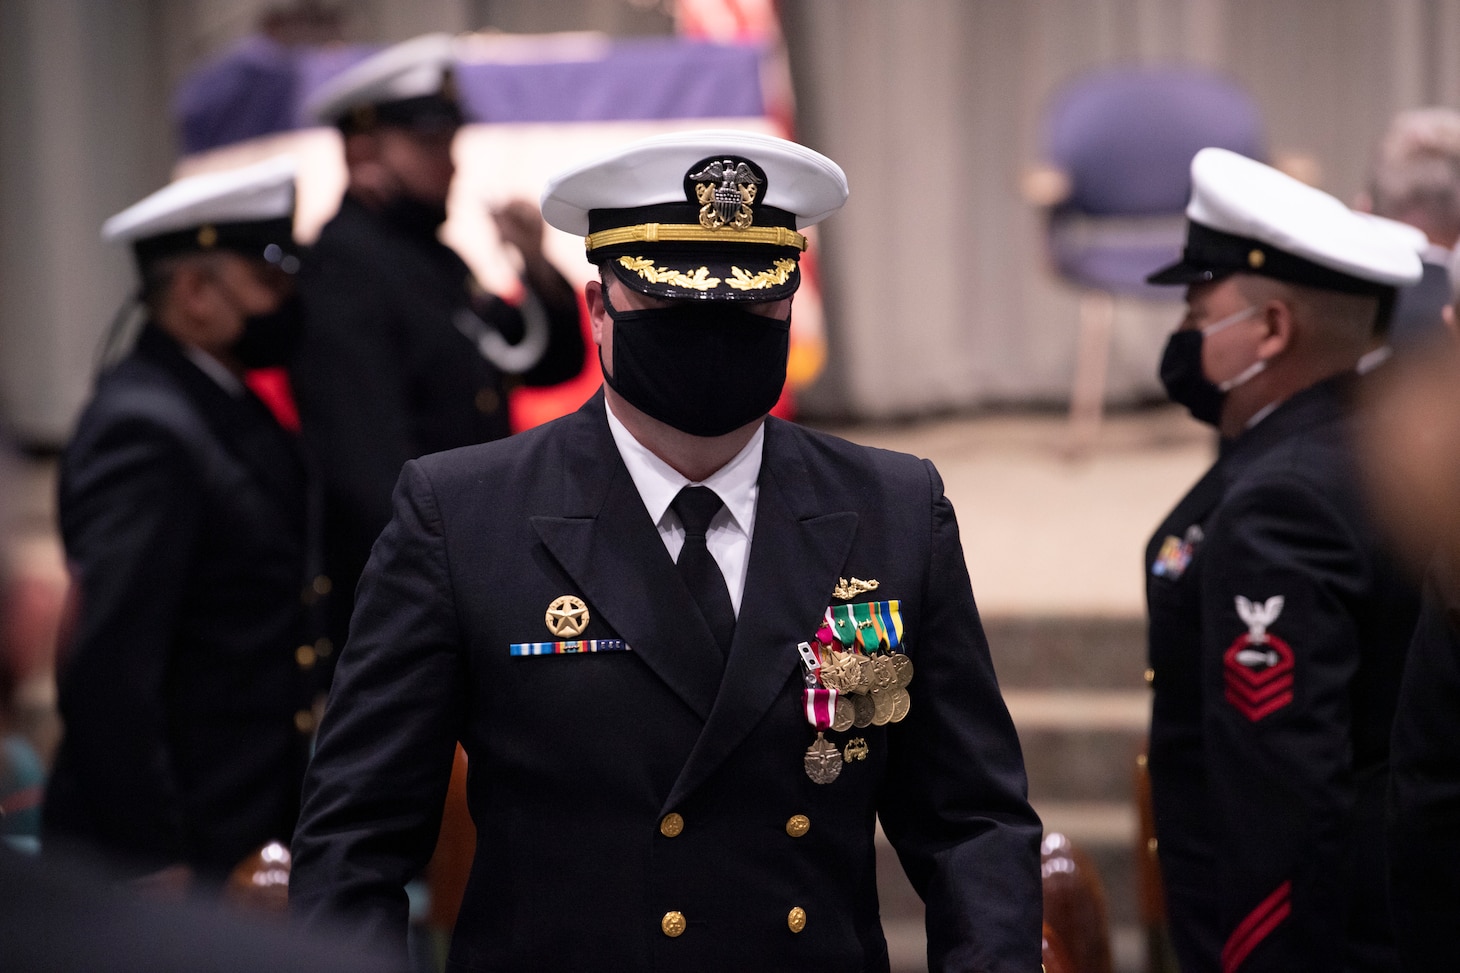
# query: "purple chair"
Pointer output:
{"type": "Point", "coordinates": [1117, 146]}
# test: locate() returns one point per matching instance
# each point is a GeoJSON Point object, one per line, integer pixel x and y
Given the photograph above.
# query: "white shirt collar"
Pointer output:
{"type": "Point", "coordinates": [659, 483]}
{"type": "Point", "coordinates": [215, 370]}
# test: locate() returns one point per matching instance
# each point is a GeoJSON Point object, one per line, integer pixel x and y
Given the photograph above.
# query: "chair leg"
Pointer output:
{"type": "Point", "coordinates": [1092, 361]}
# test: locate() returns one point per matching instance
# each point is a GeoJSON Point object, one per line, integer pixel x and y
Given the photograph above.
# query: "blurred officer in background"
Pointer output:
{"type": "Point", "coordinates": [405, 353]}
{"type": "Point", "coordinates": [676, 639]}
{"type": "Point", "coordinates": [1413, 461]}
{"type": "Point", "coordinates": [1278, 626]}
{"type": "Point", "coordinates": [187, 691]}
{"type": "Point", "coordinates": [1415, 179]}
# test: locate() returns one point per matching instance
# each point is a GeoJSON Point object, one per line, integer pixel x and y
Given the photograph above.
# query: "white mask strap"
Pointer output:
{"type": "Point", "coordinates": [1230, 320]}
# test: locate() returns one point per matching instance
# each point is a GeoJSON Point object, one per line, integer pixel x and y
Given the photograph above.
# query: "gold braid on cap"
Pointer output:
{"type": "Point", "coordinates": [774, 236]}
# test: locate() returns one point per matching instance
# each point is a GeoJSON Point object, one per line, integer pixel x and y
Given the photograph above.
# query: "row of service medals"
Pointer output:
{"type": "Point", "coordinates": [856, 675]}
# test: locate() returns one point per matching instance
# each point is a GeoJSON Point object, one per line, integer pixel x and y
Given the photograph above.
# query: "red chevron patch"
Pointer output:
{"type": "Point", "coordinates": [1258, 675]}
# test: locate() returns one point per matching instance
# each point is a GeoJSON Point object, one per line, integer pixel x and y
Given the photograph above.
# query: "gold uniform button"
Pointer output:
{"type": "Point", "coordinates": [304, 721]}
{"type": "Point", "coordinates": [305, 656]}
{"type": "Point", "coordinates": [1150, 676]}
{"type": "Point", "coordinates": [323, 647]}
{"type": "Point", "coordinates": [796, 919]}
{"type": "Point", "coordinates": [487, 401]}
{"type": "Point", "coordinates": [673, 924]}
{"type": "Point", "coordinates": [798, 825]}
{"type": "Point", "coordinates": [671, 826]}
{"type": "Point", "coordinates": [322, 585]}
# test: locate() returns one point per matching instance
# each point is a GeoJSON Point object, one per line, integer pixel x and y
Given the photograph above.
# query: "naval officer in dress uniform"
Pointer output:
{"type": "Point", "coordinates": [405, 353]}
{"type": "Point", "coordinates": [1278, 626]}
{"type": "Point", "coordinates": [184, 509]}
{"type": "Point", "coordinates": [693, 653]}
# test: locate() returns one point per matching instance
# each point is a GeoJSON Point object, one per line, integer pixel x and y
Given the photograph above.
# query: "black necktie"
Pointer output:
{"type": "Point", "coordinates": [696, 507]}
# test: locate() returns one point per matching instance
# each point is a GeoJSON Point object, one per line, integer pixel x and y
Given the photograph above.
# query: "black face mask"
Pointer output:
{"type": "Point", "coordinates": [705, 369]}
{"type": "Point", "coordinates": [415, 216]}
{"type": "Point", "coordinates": [269, 340]}
{"type": "Point", "coordinates": [1186, 384]}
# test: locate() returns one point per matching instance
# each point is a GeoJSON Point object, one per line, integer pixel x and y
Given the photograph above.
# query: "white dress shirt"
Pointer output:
{"type": "Point", "coordinates": [737, 483]}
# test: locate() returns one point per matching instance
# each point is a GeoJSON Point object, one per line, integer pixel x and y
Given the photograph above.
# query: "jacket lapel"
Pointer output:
{"type": "Point", "coordinates": [611, 549]}
{"type": "Point", "coordinates": [795, 557]}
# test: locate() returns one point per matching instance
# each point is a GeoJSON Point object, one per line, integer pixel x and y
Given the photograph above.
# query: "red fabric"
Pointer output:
{"type": "Point", "coordinates": [1255, 928]}
{"type": "Point", "coordinates": [272, 385]}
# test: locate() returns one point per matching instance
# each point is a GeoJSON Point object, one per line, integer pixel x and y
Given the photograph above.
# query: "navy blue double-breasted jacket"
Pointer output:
{"type": "Point", "coordinates": [575, 760]}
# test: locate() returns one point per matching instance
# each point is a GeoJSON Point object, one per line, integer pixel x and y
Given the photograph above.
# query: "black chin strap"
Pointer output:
{"type": "Point", "coordinates": [121, 332]}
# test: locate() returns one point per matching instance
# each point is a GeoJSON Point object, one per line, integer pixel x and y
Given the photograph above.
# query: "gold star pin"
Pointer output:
{"type": "Point", "coordinates": [567, 616]}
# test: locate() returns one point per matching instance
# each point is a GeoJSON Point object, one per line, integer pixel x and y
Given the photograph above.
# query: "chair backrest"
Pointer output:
{"type": "Point", "coordinates": [1125, 137]}
{"type": "Point", "coordinates": [1074, 904]}
{"type": "Point", "coordinates": [1052, 953]}
{"type": "Point", "coordinates": [1123, 140]}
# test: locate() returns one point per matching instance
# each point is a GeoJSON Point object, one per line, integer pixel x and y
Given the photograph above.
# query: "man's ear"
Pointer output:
{"type": "Point", "coordinates": [597, 313]}
{"type": "Point", "coordinates": [1277, 322]}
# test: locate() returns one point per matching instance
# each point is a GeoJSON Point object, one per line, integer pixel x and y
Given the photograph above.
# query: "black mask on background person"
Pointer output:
{"type": "Point", "coordinates": [413, 215]}
{"type": "Point", "coordinates": [1185, 381]}
{"type": "Point", "coordinates": [703, 368]}
{"type": "Point", "coordinates": [270, 340]}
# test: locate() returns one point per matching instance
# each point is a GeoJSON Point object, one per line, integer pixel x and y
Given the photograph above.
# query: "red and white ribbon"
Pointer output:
{"type": "Point", "coordinates": [820, 706]}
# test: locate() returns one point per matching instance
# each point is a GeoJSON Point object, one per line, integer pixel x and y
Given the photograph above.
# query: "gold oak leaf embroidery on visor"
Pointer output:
{"type": "Point", "coordinates": [745, 281]}
{"type": "Point", "coordinates": [699, 280]}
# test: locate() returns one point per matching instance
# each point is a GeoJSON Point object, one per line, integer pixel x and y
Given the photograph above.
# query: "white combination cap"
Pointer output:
{"type": "Point", "coordinates": [705, 214]}
{"type": "Point", "coordinates": [1246, 217]}
{"type": "Point", "coordinates": [408, 84]}
{"type": "Point", "coordinates": [249, 210]}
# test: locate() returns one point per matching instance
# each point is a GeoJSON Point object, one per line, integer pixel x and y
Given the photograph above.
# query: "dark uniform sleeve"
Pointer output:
{"type": "Point", "coordinates": [376, 786]}
{"type": "Point", "coordinates": [955, 803]}
{"type": "Point", "coordinates": [1424, 830]}
{"type": "Point", "coordinates": [563, 359]}
{"type": "Point", "coordinates": [130, 519]}
{"type": "Point", "coordinates": [1277, 723]}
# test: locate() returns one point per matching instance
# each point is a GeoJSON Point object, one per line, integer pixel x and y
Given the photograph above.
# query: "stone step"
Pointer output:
{"type": "Point", "coordinates": [1076, 651]}
{"type": "Point", "coordinates": [1080, 744]}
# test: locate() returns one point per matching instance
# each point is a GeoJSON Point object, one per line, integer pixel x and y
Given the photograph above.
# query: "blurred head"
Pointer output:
{"type": "Point", "coordinates": [216, 257]}
{"type": "Point", "coordinates": [241, 310]}
{"type": "Point", "coordinates": [398, 112]}
{"type": "Point", "coordinates": [1415, 177]}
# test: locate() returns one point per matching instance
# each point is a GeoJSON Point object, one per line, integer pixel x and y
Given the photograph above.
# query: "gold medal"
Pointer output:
{"type": "Point", "coordinates": [901, 703]}
{"type": "Point", "coordinates": [862, 711]}
{"type": "Point", "coordinates": [882, 701]}
{"type": "Point", "coordinates": [902, 669]}
{"type": "Point", "coordinates": [841, 720]}
{"type": "Point", "coordinates": [882, 674]}
{"type": "Point", "coordinates": [864, 675]}
{"type": "Point", "coordinates": [823, 760]}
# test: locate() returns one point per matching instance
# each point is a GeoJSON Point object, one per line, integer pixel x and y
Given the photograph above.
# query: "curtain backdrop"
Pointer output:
{"type": "Point", "coordinates": [937, 295]}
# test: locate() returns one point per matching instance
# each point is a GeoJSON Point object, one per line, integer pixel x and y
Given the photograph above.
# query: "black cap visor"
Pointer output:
{"type": "Point", "coordinates": [1212, 254]}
